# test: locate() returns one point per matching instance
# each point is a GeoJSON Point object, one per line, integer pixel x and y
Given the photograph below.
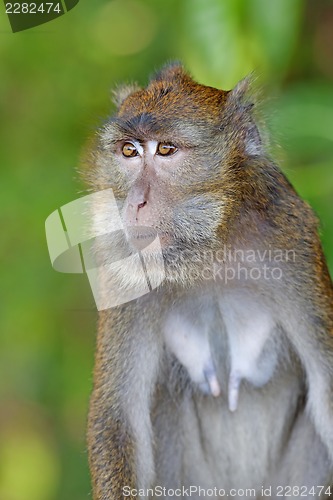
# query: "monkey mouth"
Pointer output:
{"type": "Point", "coordinates": [141, 233]}
{"type": "Point", "coordinates": [141, 237]}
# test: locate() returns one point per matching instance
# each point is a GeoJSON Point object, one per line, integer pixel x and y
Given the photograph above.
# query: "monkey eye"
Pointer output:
{"type": "Point", "coordinates": [166, 149]}
{"type": "Point", "coordinates": [129, 150]}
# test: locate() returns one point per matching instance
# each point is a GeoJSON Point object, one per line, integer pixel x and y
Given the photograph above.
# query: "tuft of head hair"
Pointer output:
{"type": "Point", "coordinates": [173, 72]}
{"type": "Point", "coordinates": [120, 93]}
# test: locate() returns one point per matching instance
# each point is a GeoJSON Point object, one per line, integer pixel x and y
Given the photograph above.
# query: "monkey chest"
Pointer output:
{"type": "Point", "coordinates": [222, 340]}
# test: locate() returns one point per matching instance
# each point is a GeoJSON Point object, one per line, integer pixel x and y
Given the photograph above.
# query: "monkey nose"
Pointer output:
{"type": "Point", "coordinates": [133, 212]}
{"type": "Point", "coordinates": [141, 205]}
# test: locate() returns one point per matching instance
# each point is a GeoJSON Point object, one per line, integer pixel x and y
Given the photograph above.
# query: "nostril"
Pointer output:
{"type": "Point", "coordinates": [140, 205]}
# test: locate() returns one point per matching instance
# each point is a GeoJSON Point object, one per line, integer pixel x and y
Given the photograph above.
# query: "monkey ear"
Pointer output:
{"type": "Point", "coordinates": [119, 94]}
{"type": "Point", "coordinates": [172, 72]}
{"type": "Point", "coordinates": [253, 141]}
{"type": "Point", "coordinates": [241, 106]}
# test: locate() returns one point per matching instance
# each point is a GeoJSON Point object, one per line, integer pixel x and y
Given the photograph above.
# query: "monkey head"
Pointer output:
{"type": "Point", "coordinates": [175, 155]}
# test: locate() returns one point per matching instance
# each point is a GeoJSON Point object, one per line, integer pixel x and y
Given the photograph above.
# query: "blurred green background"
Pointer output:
{"type": "Point", "coordinates": [54, 88]}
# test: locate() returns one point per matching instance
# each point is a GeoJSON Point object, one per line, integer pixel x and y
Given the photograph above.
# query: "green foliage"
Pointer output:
{"type": "Point", "coordinates": [54, 86]}
{"type": "Point", "coordinates": [226, 40]}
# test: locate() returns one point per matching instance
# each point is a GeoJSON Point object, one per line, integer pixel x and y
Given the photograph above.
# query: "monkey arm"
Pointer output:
{"type": "Point", "coordinates": [302, 301]}
{"type": "Point", "coordinates": [312, 337]}
{"type": "Point", "coordinates": [119, 428]}
{"type": "Point", "coordinates": [111, 453]}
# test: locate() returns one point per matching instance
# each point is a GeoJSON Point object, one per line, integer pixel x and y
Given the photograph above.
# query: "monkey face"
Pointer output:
{"type": "Point", "coordinates": [171, 154]}
{"type": "Point", "coordinates": [163, 184]}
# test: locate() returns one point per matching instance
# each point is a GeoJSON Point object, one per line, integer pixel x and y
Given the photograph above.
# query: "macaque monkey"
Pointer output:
{"type": "Point", "coordinates": [222, 376]}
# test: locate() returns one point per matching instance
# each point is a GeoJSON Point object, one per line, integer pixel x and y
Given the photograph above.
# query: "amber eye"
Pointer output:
{"type": "Point", "coordinates": [166, 149]}
{"type": "Point", "coordinates": [129, 150]}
